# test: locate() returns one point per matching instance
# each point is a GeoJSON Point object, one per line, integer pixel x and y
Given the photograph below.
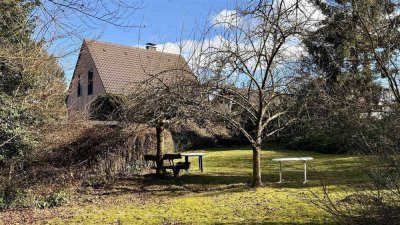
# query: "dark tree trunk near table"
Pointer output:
{"type": "Point", "coordinates": [160, 130]}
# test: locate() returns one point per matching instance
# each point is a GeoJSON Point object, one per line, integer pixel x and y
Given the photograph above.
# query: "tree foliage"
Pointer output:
{"type": "Point", "coordinates": [31, 82]}
{"type": "Point", "coordinates": [357, 39]}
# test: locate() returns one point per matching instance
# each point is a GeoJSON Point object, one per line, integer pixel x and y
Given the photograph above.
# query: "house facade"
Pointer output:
{"type": "Point", "coordinates": [116, 69]}
{"type": "Point", "coordinates": [86, 83]}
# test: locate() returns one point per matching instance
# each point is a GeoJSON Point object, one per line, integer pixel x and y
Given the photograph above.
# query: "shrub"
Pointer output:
{"type": "Point", "coordinates": [55, 199]}
{"type": "Point", "coordinates": [11, 196]}
{"type": "Point", "coordinates": [318, 141]}
{"type": "Point", "coordinates": [107, 107]}
{"type": "Point", "coordinates": [197, 135]}
{"type": "Point", "coordinates": [376, 147]}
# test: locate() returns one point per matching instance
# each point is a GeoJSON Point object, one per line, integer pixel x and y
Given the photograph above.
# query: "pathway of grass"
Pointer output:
{"type": "Point", "coordinates": [221, 195]}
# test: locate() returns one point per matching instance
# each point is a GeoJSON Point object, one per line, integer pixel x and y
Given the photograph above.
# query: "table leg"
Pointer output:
{"type": "Point", "coordinates": [305, 172]}
{"type": "Point", "coordinates": [201, 163]}
{"type": "Point", "coordinates": [187, 160]}
{"type": "Point", "coordinates": [280, 172]}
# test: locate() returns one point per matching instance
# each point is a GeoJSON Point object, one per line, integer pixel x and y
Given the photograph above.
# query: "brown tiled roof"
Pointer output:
{"type": "Point", "coordinates": [122, 67]}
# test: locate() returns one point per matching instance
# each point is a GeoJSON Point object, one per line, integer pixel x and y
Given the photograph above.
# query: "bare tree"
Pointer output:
{"type": "Point", "coordinates": [249, 68]}
{"type": "Point", "coordinates": [166, 95]}
{"type": "Point", "coordinates": [78, 18]}
{"type": "Point", "coordinates": [60, 25]}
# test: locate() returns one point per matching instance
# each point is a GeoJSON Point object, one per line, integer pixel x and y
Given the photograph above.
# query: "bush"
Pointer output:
{"type": "Point", "coordinates": [55, 199]}
{"type": "Point", "coordinates": [319, 141]}
{"type": "Point", "coordinates": [11, 196]}
{"type": "Point", "coordinates": [197, 135]}
{"type": "Point", "coordinates": [328, 116]}
{"type": "Point", "coordinates": [107, 107]}
{"type": "Point", "coordinates": [16, 135]}
{"type": "Point", "coordinates": [376, 147]}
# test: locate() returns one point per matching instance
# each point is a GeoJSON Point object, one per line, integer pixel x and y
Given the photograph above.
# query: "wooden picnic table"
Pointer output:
{"type": "Point", "coordinates": [195, 154]}
{"type": "Point", "coordinates": [175, 167]}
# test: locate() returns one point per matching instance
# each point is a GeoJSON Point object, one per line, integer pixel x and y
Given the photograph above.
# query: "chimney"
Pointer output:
{"type": "Point", "coordinates": [151, 46]}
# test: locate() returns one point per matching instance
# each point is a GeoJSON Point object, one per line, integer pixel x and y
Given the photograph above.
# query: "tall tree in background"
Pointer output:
{"type": "Point", "coordinates": [31, 82]}
{"type": "Point", "coordinates": [358, 40]}
{"type": "Point", "coordinates": [379, 23]}
{"type": "Point", "coordinates": [357, 51]}
{"type": "Point", "coordinates": [351, 59]}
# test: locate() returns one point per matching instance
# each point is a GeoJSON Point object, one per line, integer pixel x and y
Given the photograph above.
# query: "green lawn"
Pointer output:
{"type": "Point", "coordinates": [221, 195]}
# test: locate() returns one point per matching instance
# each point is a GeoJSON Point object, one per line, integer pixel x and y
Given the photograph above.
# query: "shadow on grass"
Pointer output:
{"type": "Point", "coordinates": [170, 185]}
{"type": "Point", "coordinates": [199, 180]}
{"type": "Point", "coordinates": [219, 149]}
{"type": "Point", "coordinates": [237, 176]}
{"type": "Point", "coordinates": [277, 223]}
{"type": "Point", "coordinates": [211, 182]}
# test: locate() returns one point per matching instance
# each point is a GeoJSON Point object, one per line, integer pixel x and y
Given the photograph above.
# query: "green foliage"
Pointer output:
{"type": "Point", "coordinates": [346, 43]}
{"type": "Point", "coordinates": [15, 122]}
{"type": "Point", "coordinates": [16, 25]}
{"type": "Point", "coordinates": [55, 199]}
{"type": "Point", "coordinates": [34, 102]}
{"type": "Point", "coordinates": [3, 203]}
{"type": "Point", "coordinates": [31, 83]}
{"type": "Point", "coordinates": [11, 196]}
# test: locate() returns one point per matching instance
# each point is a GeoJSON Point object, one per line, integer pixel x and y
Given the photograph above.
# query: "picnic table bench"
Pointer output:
{"type": "Point", "coordinates": [175, 167]}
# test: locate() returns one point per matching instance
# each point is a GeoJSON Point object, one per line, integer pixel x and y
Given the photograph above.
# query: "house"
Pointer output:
{"type": "Point", "coordinates": [106, 68]}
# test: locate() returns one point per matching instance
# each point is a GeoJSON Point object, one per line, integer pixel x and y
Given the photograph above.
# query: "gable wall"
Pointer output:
{"type": "Point", "coordinates": [81, 104]}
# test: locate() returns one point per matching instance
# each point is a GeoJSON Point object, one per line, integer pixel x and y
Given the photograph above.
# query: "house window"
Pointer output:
{"type": "Point", "coordinates": [79, 91]}
{"type": "Point", "coordinates": [90, 82]}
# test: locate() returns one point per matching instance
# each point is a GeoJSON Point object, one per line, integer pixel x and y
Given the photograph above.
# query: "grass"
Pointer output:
{"type": "Point", "coordinates": [220, 195]}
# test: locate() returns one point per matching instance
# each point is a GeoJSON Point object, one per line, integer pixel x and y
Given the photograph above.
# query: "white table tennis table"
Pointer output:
{"type": "Point", "coordinates": [291, 159]}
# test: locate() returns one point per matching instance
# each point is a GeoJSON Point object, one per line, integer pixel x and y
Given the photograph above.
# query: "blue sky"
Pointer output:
{"type": "Point", "coordinates": [162, 21]}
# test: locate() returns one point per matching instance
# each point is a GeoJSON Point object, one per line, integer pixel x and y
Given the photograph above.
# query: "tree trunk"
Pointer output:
{"type": "Point", "coordinates": [160, 130]}
{"type": "Point", "coordinates": [256, 165]}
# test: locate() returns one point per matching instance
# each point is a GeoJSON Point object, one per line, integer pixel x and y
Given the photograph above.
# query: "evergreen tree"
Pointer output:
{"type": "Point", "coordinates": [31, 82]}
{"type": "Point", "coordinates": [350, 37]}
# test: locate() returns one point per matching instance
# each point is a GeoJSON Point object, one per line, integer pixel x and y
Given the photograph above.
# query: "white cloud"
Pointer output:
{"type": "Point", "coordinates": [192, 50]}
{"type": "Point", "coordinates": [226, 18]}
{"type": "Point", "coordinates": [306, 11]}
{"type": "Point", "coordinates": [291, 51]}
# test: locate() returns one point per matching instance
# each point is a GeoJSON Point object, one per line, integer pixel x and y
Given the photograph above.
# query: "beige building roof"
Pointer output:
{"type": "Point", "coordinates": [122, 67]}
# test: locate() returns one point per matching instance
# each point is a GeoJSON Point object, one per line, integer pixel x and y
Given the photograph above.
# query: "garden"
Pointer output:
{"type": "Point", "coordinates": [220, 195]}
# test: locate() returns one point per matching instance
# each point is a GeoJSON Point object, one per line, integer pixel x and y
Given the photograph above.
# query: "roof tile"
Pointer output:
{"type": "Point", "coordinates": [122, 67]}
